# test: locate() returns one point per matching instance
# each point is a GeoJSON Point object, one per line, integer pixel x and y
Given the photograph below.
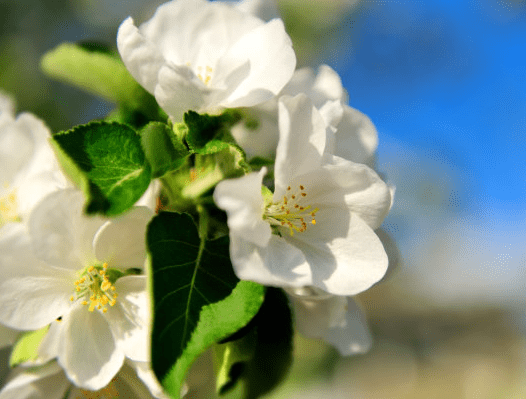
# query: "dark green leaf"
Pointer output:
{"type": "Point", "coordinates": [106, 160]}
{"type": "Point", "coordinates": [259, 359]}
{"type": "Point", "coordinates": [197, 298]}
{"type": "Point", "coordinates": [209, 134]}
{"type": "Point", "coordinates": [163, 149]}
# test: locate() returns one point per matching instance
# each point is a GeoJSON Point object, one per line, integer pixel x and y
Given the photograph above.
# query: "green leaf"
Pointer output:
{"type": "Point", "coordinates": [197, 298]}
{"type": "Point", "coordinates": [261, 358]}
{"type": "Point", "coordinates": [209, 134]}
{"type": "Point", "coordinates": [97, 72]}
{"type": "Point", "coordinates": [26, 347]}
{"type": "Point", "coordinates": [164, 151]}
{"type": "Point", "coordinates": [106, 160]}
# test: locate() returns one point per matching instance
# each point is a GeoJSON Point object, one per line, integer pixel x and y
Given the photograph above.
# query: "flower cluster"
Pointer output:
{"type": "Point", "coordinates": [135, 243]}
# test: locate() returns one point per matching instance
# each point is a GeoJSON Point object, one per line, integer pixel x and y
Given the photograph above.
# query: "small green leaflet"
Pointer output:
{"type": "Point", "coordinates": [197, 298]}
{"type": "Point", "coordinates": [106, 160]}
{"type": "Point", "coordinates": [26, 347]}
{"type": "Point", "coordinates": [164, 150]}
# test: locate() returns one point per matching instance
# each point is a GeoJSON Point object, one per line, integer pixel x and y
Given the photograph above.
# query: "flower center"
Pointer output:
{"type": "Point", "coordinates": [95, 288]}
{"type": "Point", "coordinates": [8, 207]}
{"type": "Point", "coordinates": [205, 74]}
{"type": "Point", "coordinates": [291, 211]}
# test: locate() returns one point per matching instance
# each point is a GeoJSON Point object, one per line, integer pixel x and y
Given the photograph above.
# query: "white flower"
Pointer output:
{"type": "Point", "coordinates": [317, 229]}
{"type": "Point", "coordinates": [50, 382]}
{"type": "Point", "coordinates": [28, 168]}
{"type": "Point", "coordinates": [81, 279]}
{"type": "Point", "coordinates": [337, 320]}
{"type": "Point", "coordinates": [353, 135]}
{"type": "Point", "coordinates": [203, 56]}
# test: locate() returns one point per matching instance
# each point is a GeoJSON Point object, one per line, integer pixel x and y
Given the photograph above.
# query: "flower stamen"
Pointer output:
{"type": "Point", "coordinates": [8, 207]}
{"type": "Point", "coordinates": [288, 212]}
{"type": "Point", "coordinates": [95, 289]}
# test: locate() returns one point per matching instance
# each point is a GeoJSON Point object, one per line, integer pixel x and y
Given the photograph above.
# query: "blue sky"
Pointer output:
{"type": "Point", "coordinates": [448, 76]}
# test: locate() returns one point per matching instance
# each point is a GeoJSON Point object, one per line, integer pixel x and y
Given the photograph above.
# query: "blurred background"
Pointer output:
{"type": "Point", "coordinates": [445, 83]}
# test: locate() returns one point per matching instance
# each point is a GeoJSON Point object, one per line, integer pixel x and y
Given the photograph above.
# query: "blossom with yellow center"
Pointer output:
{"type": "Point", "coordinates": [230, 59]}
{"type": "Point", "coordinates": [66, 273]}
{"type": "Point", "coordinates": [317, 229]}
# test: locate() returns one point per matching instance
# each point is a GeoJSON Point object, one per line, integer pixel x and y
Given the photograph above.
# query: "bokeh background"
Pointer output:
{"type": "Point", "coordinates": [445, 83]}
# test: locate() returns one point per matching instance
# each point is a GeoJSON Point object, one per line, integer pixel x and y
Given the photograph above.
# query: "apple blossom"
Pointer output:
{"type": "Point", "coordinates": [80, 276]}
{"type": "Point", "coordinates": [317, 229]}
{"type": "Point", "coordinates": [203, 56]}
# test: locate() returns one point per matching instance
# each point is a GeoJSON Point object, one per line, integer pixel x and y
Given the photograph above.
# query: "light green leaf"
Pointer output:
{"type": "Point", "coordinates": [164, 151]}
{"type": "Point", "coordinates": [26, 347]}
{"type": "Point", "coordinates": [108, 161]}
{"type": "Point", "coordinates": [197, 298]}
{"type": "Point", "coordinates": [97, 72]}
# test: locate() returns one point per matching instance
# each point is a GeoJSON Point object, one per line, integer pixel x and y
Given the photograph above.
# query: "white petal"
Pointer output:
{"type": "Point", "coordinates": [353, 336]}
{"type": "Point", "coordinates": [302, 136]}
{"type": "Point", "coordinates": [61, 234]}
{"type": "Point", "coordinates": [269, 51]}
{"type": "Point", "coordinates": [44, 382]}
{"type": "Point", "coordinates": [278, 264]}
{"type": "Point", "coordinates": [150, 196]}
{"type": "Point", "coordinates": [140, 55]}
{"type": "Point", "coordinates": [196, 32]}
{"type": "Point", "coordinates": [345, 255]}
{"type": "Point", "coordinates": [32, 294]}
{"type": "Point", "coordinates": [7, 104]}
{"type": "Point", "coordinates": [356, 138]}
{"type": "Point", "coordinates": [242, 200]}
{"type": "Point", "coordinates": [89, 354]}
{"type": "Point", "coordinates": [32, 302]}
{"type": "Point", "coordinates": [121, 242]}
{"type": "Point", "coordinates": [356, 185]}
{"type": "Point", "coordinates": [145, 373]}
{"type": "Point", "coordinates": [179, 90]}
{"type": "Point", "coordinates": [16, 149]}
{"type": "Point", "coordinates": [323, 87]}
{"type": "Point", "coordinates": [130, 319]}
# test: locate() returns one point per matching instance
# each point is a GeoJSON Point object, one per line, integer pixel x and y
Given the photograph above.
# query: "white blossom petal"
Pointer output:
{"type": "Point", "coordinates": [43, 382]}
{"type": "Point", "coordinates": [62, 235]}
{"type": "Point", "coordinates": [241, 199]}
{"type": "Point", "coordinates": [129, 319]}
{"type": "Point", "coordinates": [121, 242]}
{"type": "Point", "coordinates": [301, 143]}
{"type": "Point", "coordinates": [88, 351]}
{"type": "Point", "coordinates": [278, 264]}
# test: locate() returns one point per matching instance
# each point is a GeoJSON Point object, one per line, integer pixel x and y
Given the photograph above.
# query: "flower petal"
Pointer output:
{"type": "Point", "coordinates": [121, 242]}
{"type": "Point", "coordinates": [140, 55]}
{"type": "Point", "coordinates": [302, 137]}
{"type": "Point", "coordinates": [269, 51]}
{"type": "Point", "coordinates": [62, 235]}
{"type": "Point", "coordinates": [129, 319]}
{"type": "Point", "coordinates": [278, 264]}
{"type": "Point", "coordinates": [88, 352]}
{"type": "Point", "coordinates": [32, 294]}
{"type": "Point", "coordinates": [242, 200]}
{"type": "Point", "coordinates": [346, 256]}
{"type": "Point", "coordinates": [356, 138]}
{"type": "Point", "coordinates": [179, 90]}
{"type": "Point", "coordinates": [44, 382]}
